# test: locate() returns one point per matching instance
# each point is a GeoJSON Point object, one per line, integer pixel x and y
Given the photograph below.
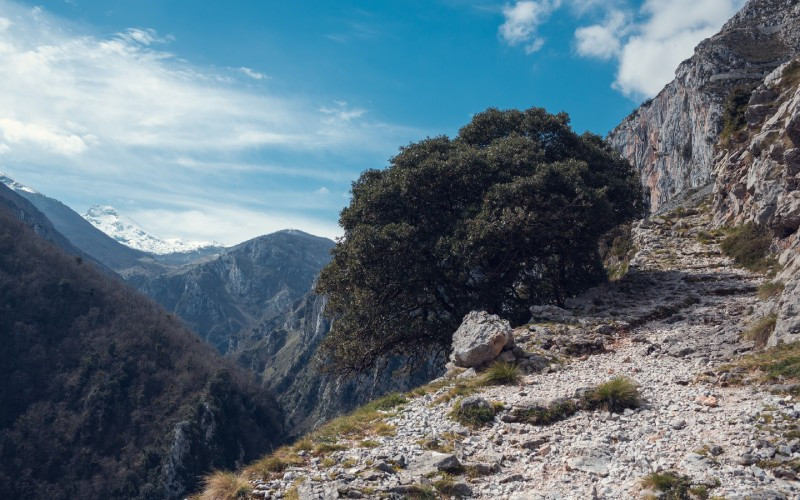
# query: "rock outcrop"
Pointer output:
{"type": "Point", "coordinates": [757, 179]}
{"type": "Point", "coordinates": [671, 138]}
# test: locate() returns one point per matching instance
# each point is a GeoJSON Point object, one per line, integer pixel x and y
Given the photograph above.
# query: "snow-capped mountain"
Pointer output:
{"type": "Point", "coordinates": [128, 232]}
{"type": "Point", "coordinates": [16, 186]}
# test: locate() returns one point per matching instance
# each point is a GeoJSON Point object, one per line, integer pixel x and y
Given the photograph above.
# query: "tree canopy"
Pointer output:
{"type": "Point", "coordinates": [506, 215]}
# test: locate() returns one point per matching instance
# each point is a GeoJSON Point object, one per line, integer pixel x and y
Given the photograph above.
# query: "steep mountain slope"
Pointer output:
{"type": "Point", "coordinates": [282, 351]}
{"type": "Point", "coordinates": [245, 286]}
{"type": "Point", "coordinates": [128, 232]}
{"type": "Point", "coordinates": [104, 395]}
{"type": "Point", "coordinates": [24, 210]}
{"type": "Point", "coordinates": [671, 138]}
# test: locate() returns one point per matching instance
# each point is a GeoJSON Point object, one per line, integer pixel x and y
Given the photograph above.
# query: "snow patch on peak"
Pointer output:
{"type": "Point", "coordinates": [130, 233]}
{"type": "Point", "coordinates": [16, 186]}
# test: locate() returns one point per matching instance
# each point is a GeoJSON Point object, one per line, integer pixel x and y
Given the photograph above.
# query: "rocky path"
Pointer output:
{"type": "Point", "coordinates": [668, 325]}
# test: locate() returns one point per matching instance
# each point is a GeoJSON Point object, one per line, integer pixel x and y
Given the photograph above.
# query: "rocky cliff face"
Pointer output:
{"type": "Point", "coordinates": [671, 138]}
{"type": "Point", "coordinates": [247, 285]}
{"type": "Point", "coordinates": [282, 351]}
{"type": "Point", "coordinates": [757, 179]}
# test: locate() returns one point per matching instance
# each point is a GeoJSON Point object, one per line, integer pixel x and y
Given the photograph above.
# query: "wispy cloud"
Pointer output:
{"type": "Point", "coordinates": [255, 75]}
{"type": "Point", "coordinates": [119, 119]}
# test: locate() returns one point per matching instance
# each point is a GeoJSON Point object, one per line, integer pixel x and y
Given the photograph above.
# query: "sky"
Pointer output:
{"type": "Point", "coordinates": [225, 120]}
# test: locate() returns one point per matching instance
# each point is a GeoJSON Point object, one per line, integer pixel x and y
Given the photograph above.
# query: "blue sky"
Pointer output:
{"type": "Point", "coordinates": [221, 120]}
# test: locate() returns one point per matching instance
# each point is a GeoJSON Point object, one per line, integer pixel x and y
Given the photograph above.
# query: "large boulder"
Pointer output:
{"type": "Point", "coordinates": [480, 339]}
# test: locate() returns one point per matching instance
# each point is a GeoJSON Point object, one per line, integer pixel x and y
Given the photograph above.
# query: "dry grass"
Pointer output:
{"type": "Point", "coordinates": [770, 290]}
{"type": "Point", "coordinates": [224, 486]}
{"type": "Point", "coordinates": [760, 331]}
{"type": "Point", "coordinates": [336, 435]}
{"type": "Point", "coordinates": [748, 246]}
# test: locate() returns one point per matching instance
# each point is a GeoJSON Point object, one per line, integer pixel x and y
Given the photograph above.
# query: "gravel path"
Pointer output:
{"type": "Point", "coordinates": [690, 306]}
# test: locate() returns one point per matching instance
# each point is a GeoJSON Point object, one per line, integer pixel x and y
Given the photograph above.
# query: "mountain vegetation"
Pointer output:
{"type": "Point", "coordinates": [507, 214]}
{"type": "Point", "coordinates": [104, 394]}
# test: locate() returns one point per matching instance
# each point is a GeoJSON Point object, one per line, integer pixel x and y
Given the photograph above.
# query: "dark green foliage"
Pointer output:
{"type": "Point", "coordinates": [100, 386]}
{"type": "Point", "coordinates": [506, 215]}
{"type": "Point", "coordinates": [748, 246]}
{"type": "Point", "coordinates": [550, 415]}
{"type": "Point", "coordinates": [615, 395]}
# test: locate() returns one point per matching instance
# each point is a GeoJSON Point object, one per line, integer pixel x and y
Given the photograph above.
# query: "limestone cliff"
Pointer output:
{"type": "Point", "coordinates": [671, 138]}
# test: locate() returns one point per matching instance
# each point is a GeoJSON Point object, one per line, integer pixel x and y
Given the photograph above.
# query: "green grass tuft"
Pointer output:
{"type": "Point", "coordinates": [473, 417]}
{"type": "Point", "coordinates": [501, 373]}
{"type": "Point", "coordinates": [615, 395]}
{"type": "Point", "coordinates": [550, 415]}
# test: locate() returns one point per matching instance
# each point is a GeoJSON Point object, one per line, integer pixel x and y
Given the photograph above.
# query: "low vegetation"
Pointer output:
{"type": "Point", "coordinates": [617, 249]}
{"type": "Point", "coordinates": [733, 114]}
{"type": "Point", "coordinates": [770, 290]}
{"type": "Point", "coordinates": [339, 434]}
{"type": "Point", "coordinates": [671, 485]}
{"type": "Point", "coordinates": [760, 331]}
{"type": "Point", "coordinates": [472, 416]}
{"type": "Point", "coordinates": [748, 246]}
{"type": "Point", "coordinates": [501, 373]}
{"type": "Point", "coordinates": [615, 395]}
{"type": "Point", "coordinates": [779, 364]}
{"type": "Point", "coordinates": [550, 415]}
{"type": "Point", "coordinates": [224, 486]}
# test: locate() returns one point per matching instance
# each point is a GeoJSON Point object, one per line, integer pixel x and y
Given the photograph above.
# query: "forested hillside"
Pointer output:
{"type": "Point", "coordinates": [104, 394]}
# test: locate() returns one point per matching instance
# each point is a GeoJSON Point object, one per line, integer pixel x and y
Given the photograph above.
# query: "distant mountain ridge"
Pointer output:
{"type": "Point", "coordinates": [221, 297]}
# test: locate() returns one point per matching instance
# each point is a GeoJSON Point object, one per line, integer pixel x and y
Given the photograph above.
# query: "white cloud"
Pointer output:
{"type": "Point", "coordinates": [322, 191]}
{"type": "Point", "coordinates": [602, 41]}
{"type": "Point", "coordinates": [522, 21]}
{"type": "Point", "coordinates": [15, 132]}
{"type": "Point", "coordinates": [651, 48]}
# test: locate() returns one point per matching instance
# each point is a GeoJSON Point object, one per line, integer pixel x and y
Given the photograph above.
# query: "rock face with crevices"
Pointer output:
{"type": "Point", "coordinates": [671, 138]}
